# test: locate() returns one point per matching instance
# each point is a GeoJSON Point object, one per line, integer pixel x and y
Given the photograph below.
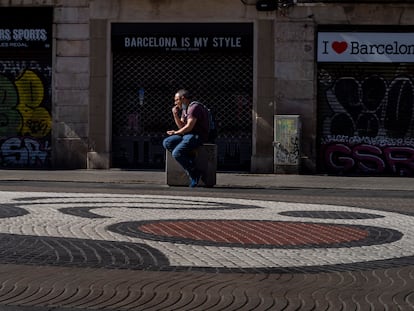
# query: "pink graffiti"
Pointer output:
{"type": "Point", "coordinates": [397, 160]}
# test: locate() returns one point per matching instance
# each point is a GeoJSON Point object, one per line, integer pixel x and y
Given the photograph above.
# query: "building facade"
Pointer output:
{"type": "Point", "coordinates": [296, 86]}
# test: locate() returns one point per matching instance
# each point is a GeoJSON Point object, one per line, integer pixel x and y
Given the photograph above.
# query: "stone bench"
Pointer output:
{"type": "Point", "coordinates": [206, 163]}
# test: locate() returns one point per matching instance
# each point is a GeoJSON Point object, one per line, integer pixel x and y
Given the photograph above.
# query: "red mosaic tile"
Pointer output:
{"type": "Point", "coordinates": [254, 232]}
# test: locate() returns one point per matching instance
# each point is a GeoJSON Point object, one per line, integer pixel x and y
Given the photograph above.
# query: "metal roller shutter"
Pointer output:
{"type": "Point", "coordinates": [144, 84]}
{"type": "Point", "coordinates": [366, 118]}
{"type": "Point", "coordinates": [25, 87]}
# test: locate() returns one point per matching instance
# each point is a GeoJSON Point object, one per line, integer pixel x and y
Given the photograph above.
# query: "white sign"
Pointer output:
{"type": "Point", "coordinates": [365, 47]}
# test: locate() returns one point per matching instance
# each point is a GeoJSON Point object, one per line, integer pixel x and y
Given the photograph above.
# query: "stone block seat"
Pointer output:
{"type": "Point", "coordinates": [206, 163]}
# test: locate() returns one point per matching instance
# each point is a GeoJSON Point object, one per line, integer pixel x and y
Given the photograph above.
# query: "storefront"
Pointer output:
{"type": "Point", "coordinates": [25, 83]}
{"type": "Point", "coordinates": [89, 84]}
{"type": "Point", "coordinates": [153, 60]}
{"type": "Point", "coordinates": [366, 101]}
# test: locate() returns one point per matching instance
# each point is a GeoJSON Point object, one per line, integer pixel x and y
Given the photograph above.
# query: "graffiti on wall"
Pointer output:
{"type": "Point", "coordinates": [367, 125]}
{"type": "Point", "coordinates": [287, 140]}
{"type": "Point", "coordinates": [25, 119]}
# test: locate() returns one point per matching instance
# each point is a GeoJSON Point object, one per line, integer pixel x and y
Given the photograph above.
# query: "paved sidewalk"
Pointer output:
{"type": "Point", "coordinates": [77, 240]}
{"type": "Point", "coordinates": [230, 180]}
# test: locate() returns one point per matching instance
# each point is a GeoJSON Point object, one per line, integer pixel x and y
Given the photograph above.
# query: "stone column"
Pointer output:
{"type": "Point", "coordinates": [263, 105]}
{"type": "Point", "coordinates": [71, 85]}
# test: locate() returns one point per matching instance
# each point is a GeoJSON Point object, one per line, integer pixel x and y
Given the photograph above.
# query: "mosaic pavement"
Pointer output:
{"type": "Point", "coordinates": [171, 233]}
{"type": "Point", "coordinates": [115, 252]}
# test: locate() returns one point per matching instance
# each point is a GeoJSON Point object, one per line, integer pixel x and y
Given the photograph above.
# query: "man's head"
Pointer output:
{"type": "Point", "coordinates": [182, 97]}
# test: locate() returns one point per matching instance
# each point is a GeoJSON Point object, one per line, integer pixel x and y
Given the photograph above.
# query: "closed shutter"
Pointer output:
{"type": "Point", "coordinates": [144, 84]}
{"type": "Point", "coordinates": [25, 85]}
{"type": "Point", "coordinates": [366, 118]}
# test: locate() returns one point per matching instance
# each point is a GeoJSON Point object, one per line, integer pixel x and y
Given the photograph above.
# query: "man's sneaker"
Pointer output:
{"type": "Point", "coordinates": [194, 179]}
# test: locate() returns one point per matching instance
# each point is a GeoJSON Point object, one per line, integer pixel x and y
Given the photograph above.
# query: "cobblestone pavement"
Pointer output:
{"type": "Point", "coordinates": [126, 247]}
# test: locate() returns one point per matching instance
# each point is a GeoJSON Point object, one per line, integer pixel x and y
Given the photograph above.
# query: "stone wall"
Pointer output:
{"type": "Point", "coordinates": [71, 84]}
{"type": "Point", "coordinates": [285, 67]}
{"type": "Point", "coordinates": [295, 64]}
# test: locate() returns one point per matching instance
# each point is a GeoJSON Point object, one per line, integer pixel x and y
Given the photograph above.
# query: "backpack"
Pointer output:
{"type": "Point", "coordinates": [212, 133]}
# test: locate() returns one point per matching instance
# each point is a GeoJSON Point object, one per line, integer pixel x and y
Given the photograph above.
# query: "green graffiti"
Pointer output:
{"type": "Point", "coordinates": [10, 118]}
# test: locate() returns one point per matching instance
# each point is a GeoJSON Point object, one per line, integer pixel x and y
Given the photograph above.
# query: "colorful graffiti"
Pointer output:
{"type": "Point", "coordinates": [37, 121]}
{"type": "Point", "coordinates": [367, 125]}
{"type": "Point", "coordinates": [25, 123]}
{"type": "Point", "coordinates": [287, 140]}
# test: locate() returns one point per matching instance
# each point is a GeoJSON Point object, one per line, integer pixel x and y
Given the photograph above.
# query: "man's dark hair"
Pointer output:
{"type": "Point", "coordinates": [184, 93]}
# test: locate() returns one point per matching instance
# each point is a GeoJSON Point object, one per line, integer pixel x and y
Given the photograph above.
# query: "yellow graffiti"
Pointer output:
{"type": "Point", "coordinates": [37, 121]}
{"type": "Point", "coordinates": [30, 88]}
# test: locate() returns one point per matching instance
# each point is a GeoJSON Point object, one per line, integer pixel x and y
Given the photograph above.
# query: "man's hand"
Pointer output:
{"type": "Point", "coordinates": [175, 110]}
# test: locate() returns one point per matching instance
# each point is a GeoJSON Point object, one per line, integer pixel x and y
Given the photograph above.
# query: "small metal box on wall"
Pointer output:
{"type": "Point", "coordinates": [287, 133]}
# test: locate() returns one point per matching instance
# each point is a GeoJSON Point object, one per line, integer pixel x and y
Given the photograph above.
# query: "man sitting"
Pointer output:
{"type": "Point", "coordinates": [192, 120]}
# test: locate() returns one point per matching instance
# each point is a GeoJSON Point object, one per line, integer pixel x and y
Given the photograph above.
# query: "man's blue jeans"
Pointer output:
{"type": "Point", "coordinates": [180, 148]}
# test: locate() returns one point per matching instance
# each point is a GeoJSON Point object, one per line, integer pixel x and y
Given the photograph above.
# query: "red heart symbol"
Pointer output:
{"type": "Point", "coordinates": [339, 47]}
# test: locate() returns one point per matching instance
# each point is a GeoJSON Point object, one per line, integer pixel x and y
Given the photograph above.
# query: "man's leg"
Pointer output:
{"type": "Point", "coordinates": [171, 142]}
{"type": "Point", "coordinates": [182, 154]}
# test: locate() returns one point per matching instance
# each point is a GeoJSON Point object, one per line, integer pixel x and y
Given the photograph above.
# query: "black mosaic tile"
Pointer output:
{"type": "Point", "coordinates": [330, 214]}
{"type": "Point", "coordinates": [8, 211]}
{"type": "Point", "coordinates": [177, 204]}
{"type": "Point", "coordinates": [83, 212]}
{"type": "Point", "coordinates": [39, 250]}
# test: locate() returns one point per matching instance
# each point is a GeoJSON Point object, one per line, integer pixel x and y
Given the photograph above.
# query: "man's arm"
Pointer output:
{"type": "Point", "coordinates": [176, 114]}
{"type": "Point", "coordinates": [187, 128]}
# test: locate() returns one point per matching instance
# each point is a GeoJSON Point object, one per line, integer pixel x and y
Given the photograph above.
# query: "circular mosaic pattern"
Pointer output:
{"type": "Point", "coordinates": [202, 233]}
{"type": "Point", "coordinates": [257, 234]}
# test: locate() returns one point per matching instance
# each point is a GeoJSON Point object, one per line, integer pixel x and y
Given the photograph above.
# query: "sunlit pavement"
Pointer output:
{"type": "Point", "coordinates": [102, 244]}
